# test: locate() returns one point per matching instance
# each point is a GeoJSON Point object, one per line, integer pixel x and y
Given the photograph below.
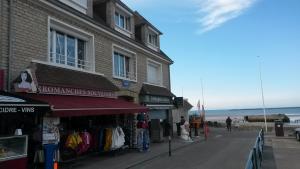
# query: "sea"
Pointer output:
{"type": "Point", "coordinates": [292, 112]}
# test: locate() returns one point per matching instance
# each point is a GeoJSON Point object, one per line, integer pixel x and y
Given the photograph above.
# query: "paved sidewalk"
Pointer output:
{"type": "Point", "coordinates": [222, 150]}
{"type": "Point", "coordinates": [281, 152]}
{"type": "Point", "coordinates": [133, 157]}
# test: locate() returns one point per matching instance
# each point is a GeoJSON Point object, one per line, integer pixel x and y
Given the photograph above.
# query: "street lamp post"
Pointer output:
{"type": "Point", "coordinates": [262, 94]}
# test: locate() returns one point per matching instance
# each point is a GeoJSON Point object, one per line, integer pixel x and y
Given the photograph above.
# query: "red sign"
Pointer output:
{"type": "Point", "coordinates": [74, 91]}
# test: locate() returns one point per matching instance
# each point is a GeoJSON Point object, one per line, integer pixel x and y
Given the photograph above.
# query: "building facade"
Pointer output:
{"type": "Point", "coordinates": [88, 48]}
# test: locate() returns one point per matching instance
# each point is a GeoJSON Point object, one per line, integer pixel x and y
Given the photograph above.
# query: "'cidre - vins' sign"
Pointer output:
{"type": "Point", "coordinates": [17, 109]}
{"type": "Point", "coordinates": [74, 91]}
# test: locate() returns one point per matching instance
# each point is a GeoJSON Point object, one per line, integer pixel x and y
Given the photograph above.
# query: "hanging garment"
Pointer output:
{"type": "Point", "coordinates": [140, 139]}
{"type": "Point", "coordinates": [73, 141]}
{"type": "Point", "coordinates": [118, 138]}
{"type": "Point", "coordinates": [100, 139]}
{"type": "Point", "coordinates": [185, 132]}
{"type": "Point", "coordinates": [121, 138]}
{"type": "Point", "coordinates": [108, 139]}
{"type": "Point", "coordinates": [146, 140]}
{"type": "Point", "coordinates": [86, 142]}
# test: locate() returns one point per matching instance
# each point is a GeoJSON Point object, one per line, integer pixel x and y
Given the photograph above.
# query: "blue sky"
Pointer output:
{"type": "Point", "coordinates": [218, 41]}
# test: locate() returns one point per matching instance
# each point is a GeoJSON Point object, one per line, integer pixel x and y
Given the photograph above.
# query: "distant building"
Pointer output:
{"type": "Point", "coordinates": [182, 109]}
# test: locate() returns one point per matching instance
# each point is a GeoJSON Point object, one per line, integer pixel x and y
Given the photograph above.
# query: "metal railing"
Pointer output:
{"type": "Point", "coordinates": [256, 154]}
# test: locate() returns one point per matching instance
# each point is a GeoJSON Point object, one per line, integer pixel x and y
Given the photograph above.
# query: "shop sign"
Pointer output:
{"type": "Point", "coordinates": [25, 82]}
{"type": "Point", "coordinates": [17, 109]}
{"type": "Point", "coordinates": [44, 89]}
{"type": "Point", "coordinates": [50, 130]}
{"type": "Point", "coordinates": [126, 83]}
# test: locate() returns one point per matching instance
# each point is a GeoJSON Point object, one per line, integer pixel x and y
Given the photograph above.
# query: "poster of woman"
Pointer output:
{"type": "Point", "coordinates": [24, 82]}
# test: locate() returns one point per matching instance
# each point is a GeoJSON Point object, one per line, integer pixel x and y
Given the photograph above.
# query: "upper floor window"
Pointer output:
{"type": "Point", "coordinates": [69, 47]}
{"type": "Point", "coordinates": [152, 39]}
{"type": "Point", "coordinates": [154, 72]}
{"type": "Point", "coordinates": [80, 5]}
{"type": "Point", "coordinates": [124, 65]}
{"type": "Point", "coordinates": [122, 21]}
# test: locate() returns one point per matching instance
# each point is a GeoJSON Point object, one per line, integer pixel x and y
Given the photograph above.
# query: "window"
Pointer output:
{"type": "Point", "coordinates": [70, 47]}
{"type": "Point", "coordinates": [152, 39]}
{"type": "Point", "coordinates": [154, 73]}
{"type": "Point", "coordinates": [67, 50]}
{"type": "Point", "coordinates": [124, 65]}
{"type": "Point", "coordinates": [122, 21]}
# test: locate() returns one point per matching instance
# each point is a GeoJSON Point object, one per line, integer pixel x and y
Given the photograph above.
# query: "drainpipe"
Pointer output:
{"type": "Point", "coordinates": [11, 42]}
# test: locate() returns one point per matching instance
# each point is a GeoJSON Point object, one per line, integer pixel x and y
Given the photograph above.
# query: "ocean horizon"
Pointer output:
{"type": "Point", "coordinates": [292, 112]}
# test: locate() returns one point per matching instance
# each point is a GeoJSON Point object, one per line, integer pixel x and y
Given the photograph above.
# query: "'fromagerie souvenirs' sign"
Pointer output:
{"type": "Point", "coordinates": [74, 91]}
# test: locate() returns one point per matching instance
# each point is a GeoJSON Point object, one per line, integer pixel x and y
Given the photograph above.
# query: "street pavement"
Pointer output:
{"type": "Point", "coordinates": [222, 150]}
{"type": "Point", "coordinates": [281, 152]}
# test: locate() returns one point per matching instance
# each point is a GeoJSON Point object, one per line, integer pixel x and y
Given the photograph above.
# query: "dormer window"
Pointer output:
{"type": "Point", "coordinates": [123, 21]}
{"type": "Point", "coordinates": [152, 39]}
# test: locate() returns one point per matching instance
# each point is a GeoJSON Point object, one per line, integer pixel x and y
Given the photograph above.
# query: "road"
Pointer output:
{"type": "Point", "coordinates": [223, 150]}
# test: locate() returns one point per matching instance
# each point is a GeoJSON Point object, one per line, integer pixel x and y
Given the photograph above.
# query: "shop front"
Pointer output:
{"type": "Point", "coordinates": [86, 115]}
{"type": "Point", "coordinates": [20, 128]}
{"type": "Point", "coordinates": [159, 101]}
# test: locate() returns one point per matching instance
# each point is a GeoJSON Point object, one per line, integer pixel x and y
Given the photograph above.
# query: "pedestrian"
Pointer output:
{"type": "Point", "coordinates": [182, 120]}
{"type": "Point", "coordinates": [228, 123]}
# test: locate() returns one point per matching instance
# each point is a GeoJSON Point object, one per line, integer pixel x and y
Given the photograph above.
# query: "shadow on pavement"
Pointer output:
{"type": "Point", "coordinates": [268, 158]}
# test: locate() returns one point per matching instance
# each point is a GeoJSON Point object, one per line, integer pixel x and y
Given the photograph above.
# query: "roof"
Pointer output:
{"type": "Point", "coordinates": [58, 76]}
{"type": "Point", "coordinates": [103, 25]}
{"type": "Point", "coordinates": [187, 105]}
{"type": "Point", "coordinates": [148, 89]}
{"type": "Point", "coordinates": [143, 20]}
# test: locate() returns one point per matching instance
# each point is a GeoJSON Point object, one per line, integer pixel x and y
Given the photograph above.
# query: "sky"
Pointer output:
{"type": "Point", "coordinates": [218, 41]}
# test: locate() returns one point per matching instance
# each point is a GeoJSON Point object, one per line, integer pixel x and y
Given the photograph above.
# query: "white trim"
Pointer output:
{"type": "Point", "coordinates": [24, 105]}
{"type": "Point", "coordinates": [77, 33]}
{"type": "Point", "coordinates": [159, 105]}
{"type": "Point", "coordinates": [151, 46]}
{"type": "Point", "coordinates": [123, 9]}
{"type": "Point", "coordinates": [123, 78]}
{"type": "Point", "coordinates": [75, 5]}
{"type": "Point", "coordinates": [123, 48]}
{"type": "Point", "coordinates": [161, 72]}
{"type": "Point", "coordinates": [80, 109]}
{"type": "Point", "coordinates": [66, 67]}
{"type": "Point", "coordinates": [155, 85]}
{"type": "Point", "coordinates": [68, 25]}
{"type": "Point", "coordinates": [117, 48]}
{"type": "Point", "coordinates": [103, 30]}
{"type": "Point", "coordinates": [123, 31]}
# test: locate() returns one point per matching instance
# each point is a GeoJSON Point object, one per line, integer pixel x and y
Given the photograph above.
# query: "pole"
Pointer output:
{"type": "Point", "coordinates": [262, 94]}
{"type": "Point", "coordinates": [170, 146]}
{"type": "Point", "coordinates": [202, 92]}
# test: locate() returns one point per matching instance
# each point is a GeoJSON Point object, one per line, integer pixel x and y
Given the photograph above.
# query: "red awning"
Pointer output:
{"type": "Point", "coordinates": [66, 106]}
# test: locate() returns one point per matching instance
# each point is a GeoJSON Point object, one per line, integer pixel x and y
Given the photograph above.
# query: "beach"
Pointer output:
{"type": "Point", "coordinates": [237, 115]}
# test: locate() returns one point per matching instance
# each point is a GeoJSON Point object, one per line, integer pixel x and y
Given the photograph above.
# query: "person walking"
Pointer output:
{"type": "Point", "coordinates": [228, 123]}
